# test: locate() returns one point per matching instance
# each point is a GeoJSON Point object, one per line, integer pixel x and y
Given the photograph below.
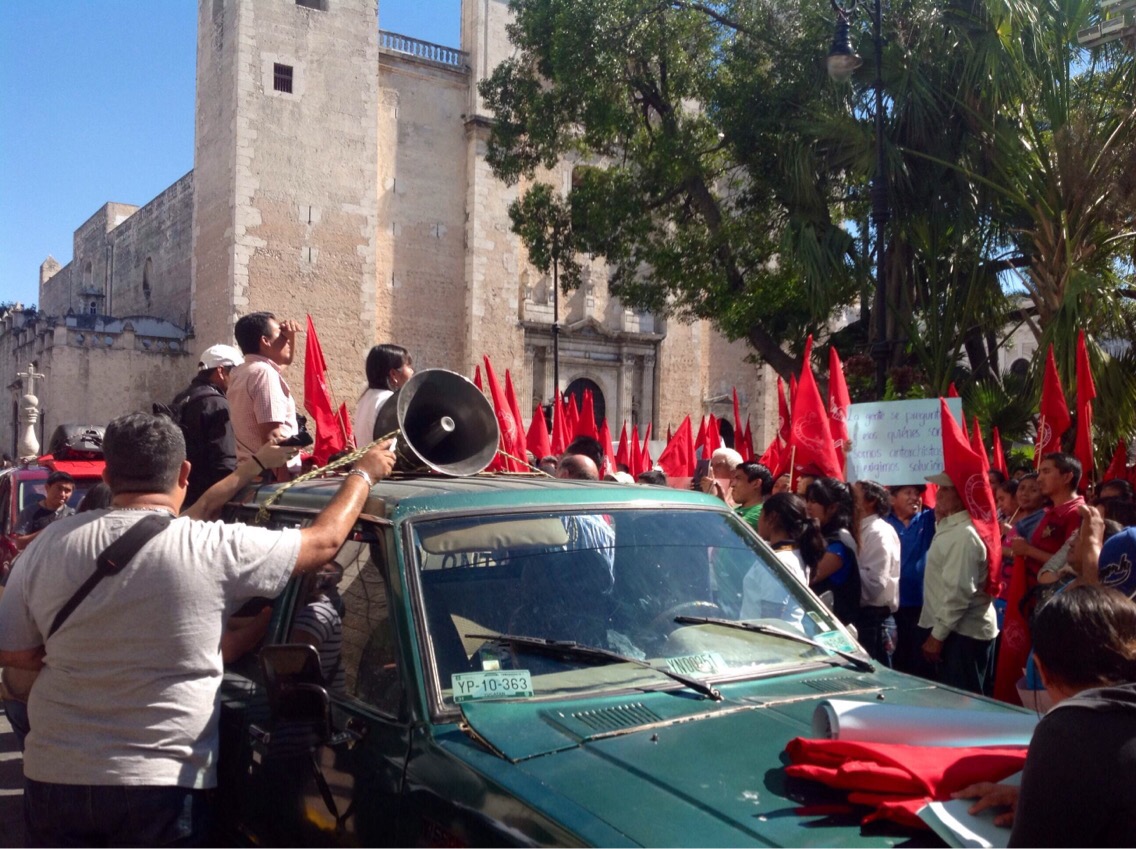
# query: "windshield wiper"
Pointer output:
{"type": "Point", "coordinates": [757, 628]}
{"type": "Point", "coordinates": [586, 652]}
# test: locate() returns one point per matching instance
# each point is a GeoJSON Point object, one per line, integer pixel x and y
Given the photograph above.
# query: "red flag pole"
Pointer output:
{"type": "Point", "coordinates": [1038, 451]}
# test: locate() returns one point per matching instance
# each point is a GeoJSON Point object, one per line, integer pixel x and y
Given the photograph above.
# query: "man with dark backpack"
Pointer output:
{"type": "Point", "coordinates": [202, 411]}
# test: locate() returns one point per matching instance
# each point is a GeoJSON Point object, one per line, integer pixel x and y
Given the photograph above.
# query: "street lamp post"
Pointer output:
{"type": "Point", "coordinates": [842, 62]}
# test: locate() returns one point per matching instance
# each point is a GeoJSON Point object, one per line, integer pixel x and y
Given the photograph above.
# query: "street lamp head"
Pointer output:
{"type": "Point", "coordinates": [842, 59]}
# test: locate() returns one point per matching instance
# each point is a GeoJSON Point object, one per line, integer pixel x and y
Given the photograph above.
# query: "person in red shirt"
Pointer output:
{"type": "Point", "coordinates": [1057, 477]}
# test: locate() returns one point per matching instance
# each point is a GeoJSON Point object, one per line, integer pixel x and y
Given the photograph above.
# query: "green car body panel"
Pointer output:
{"type": "Point", "coordinates": [623, 766]}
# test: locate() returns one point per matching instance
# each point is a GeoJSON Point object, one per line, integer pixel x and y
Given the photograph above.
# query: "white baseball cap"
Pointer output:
{"type": "Point", "coordinates": [220, 356]}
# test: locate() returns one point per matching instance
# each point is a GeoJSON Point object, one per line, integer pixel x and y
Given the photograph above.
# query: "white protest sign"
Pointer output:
{"type": "Point", "coordinates": [897, 442]}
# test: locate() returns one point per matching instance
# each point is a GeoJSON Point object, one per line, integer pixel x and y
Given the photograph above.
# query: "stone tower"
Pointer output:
{"type": "Point", "coordinates": [285, 172]}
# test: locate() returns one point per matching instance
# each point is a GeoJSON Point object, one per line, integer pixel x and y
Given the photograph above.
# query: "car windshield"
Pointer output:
{"type": "Point", "coordinates": [32, 492]}
{"type": "Point", "coordinates": [615, 580]}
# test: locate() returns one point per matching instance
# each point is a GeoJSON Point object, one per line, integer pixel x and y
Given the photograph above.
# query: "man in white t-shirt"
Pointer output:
{"type": "Point", "coordinates": [123, 714]}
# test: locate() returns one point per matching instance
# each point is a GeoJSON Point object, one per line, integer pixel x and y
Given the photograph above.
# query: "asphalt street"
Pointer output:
{"type": "Point", "coordinates": [11, 788]}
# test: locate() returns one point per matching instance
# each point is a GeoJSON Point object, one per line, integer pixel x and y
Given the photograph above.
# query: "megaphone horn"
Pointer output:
{"type": "Point", "coordinates": [446, 424]}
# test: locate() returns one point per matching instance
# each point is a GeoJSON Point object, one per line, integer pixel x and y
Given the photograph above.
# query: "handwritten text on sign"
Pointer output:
{"type": "Point", "coordinates": [897, 442]}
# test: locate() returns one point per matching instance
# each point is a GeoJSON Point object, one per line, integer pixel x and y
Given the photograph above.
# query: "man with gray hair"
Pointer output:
{"type": "Point", "coordinates": [124, 713]}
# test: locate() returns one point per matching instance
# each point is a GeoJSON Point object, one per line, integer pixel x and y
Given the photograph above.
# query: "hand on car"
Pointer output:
{"type": "Point", "coordinates": [378, 462]}
{"type": "Point", "coordinates": [992, 796]}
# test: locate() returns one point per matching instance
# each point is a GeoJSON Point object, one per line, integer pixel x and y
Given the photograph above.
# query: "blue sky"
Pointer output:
{"type": "Point", "coordinates": [96, 105]}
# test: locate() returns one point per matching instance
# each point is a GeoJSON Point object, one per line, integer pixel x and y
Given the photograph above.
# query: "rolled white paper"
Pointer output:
{"type": "Point", "coordinates": [844, 719]}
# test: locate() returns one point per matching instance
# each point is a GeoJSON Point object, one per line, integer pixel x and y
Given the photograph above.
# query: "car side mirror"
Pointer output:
{"type": "Point", "coordinates": [296, 695]}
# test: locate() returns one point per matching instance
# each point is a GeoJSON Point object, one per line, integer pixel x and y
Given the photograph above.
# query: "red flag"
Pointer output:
{"type": "Point", "coordinates": [1118, 468]}
{"type": "Point", "coordinates": [978, 446]}
{"type": "Point", "coordinates": [783, 420]}
{"type": "Point", "coordinates": [645, 461]}
{"type": "Point", "coordinates": [677, 459]}
{"type": "Point", "coordinates": [605, 440]}
{"type": "Point", "coordinates": [713, 437]}
{"type": "Point", "coordinates": [967, 470]}
{"type": "Point", "coordinates": [700, 440]}
{"type": "Point", "coordinates": [510, 430]}
{"type": "Point", "coordinates": [330, 437]}
{"type": "Point", "coordinates": [635, 455]}
{"type": "Point", "coordinates": [962, 426]}
{"type": "Point", "coordinates": [670, 433]}
{"type": "Point", "coordinates": [560, 438]}
{"type": "Point", "coordinates": [477, 379]}
{"type": "Point", "coordinates": [622, 453]}
{"type": "Point", "coordinates": [748, 439]}
{"type": "Point", "coordinates": [792, 387]}
{"type": "Point", "coordinates": [572, 420]}
{"type": "Point", "coordinates": [1086, 392]}
{"type": "Point", "coordinates": [739, 443]}
{"type": "Point", "coordinates": [811, 440]}
{"type": "Point", "coordinates": [537, 440]}
{"type": "Point", "coordinates": [1054, 418]}
{"type": "Point", "coordinates": [519, 448]}
{"type": "Point", "coordinates": [952, 392]}
{"type": "Point", "coordinates": [587, 425]}
{"type": "Point", "coordinates": [345, 423]}
{"type": "Point", "coordinates": [772, 457]}
{"type": "Point", "coordinates": [999, 454]}
{"type": "Point", "coordinates": [838, 403]}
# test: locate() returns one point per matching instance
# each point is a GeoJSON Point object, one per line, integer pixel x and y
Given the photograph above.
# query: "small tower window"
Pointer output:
{"type": "Point", "coordinates": [93, 309]}
{"type": "Point", "coordinates": [282, 77]}
{"type": "Point", "coordinates": [321, 5]}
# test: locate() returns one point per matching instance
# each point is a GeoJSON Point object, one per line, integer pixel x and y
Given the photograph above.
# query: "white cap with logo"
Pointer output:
{"type": "Point", "coordinates": [220, 356]}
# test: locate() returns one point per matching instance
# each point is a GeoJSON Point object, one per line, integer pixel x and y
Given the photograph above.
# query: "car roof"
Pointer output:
{"type": "Point", "coordinates": [400, 497]}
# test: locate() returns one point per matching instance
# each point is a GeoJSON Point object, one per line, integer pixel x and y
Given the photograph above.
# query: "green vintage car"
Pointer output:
{"type": "Point", "coordinates": [527, 661]}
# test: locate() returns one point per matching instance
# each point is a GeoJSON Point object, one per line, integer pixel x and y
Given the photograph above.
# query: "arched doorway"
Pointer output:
{"type": "Point", "coordinates": [726, 432]}
{"type": "Point", "coordinates": [576, 389]}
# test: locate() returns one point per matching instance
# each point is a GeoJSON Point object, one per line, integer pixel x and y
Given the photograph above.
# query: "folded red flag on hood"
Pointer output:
{"type": "Point", "coordinates": [892, 776]}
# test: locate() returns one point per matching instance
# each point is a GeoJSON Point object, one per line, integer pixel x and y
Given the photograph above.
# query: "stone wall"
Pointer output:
{"type": "Point", "coordinates": [421, 240]}
{"type": "Point", "coordinates": [95, 368]}
{"type": "Point", "coordinates": [128, 260]}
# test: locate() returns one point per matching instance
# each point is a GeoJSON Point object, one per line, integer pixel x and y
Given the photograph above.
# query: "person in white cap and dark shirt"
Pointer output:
{"type": "Point", "coordinates": [203, 413]}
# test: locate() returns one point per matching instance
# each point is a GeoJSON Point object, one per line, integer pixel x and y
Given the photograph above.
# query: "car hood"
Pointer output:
{"type": "Point", "coordinates": [673, 769]}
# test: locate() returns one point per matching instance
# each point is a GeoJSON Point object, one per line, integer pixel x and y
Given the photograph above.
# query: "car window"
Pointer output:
{"type": "Point", "coordinates": [32, 491]}
{"type": "Point", "coordinates": [346, 607]}
{"type": "Point", "coordinates": [615, 580]}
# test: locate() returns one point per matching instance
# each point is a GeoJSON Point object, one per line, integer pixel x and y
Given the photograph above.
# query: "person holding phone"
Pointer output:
{"type": "Point", "coordinates": [261, 404]}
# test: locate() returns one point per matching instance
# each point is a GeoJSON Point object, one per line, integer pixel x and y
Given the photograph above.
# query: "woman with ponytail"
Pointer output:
{"type": "Point", "coordinates": [797, 541]}
{"type": "Point", "coordinates": [829, 502]}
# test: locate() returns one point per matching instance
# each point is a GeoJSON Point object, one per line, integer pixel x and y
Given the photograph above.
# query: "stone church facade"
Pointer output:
{"type": "Point", "coordinates": [340, 171]}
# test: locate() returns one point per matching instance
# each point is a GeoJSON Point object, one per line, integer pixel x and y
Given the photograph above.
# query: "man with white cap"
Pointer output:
{"type": "Point", "coordinates": [203, 413]}
{"type": "Point", "coordinates": [958, 616]}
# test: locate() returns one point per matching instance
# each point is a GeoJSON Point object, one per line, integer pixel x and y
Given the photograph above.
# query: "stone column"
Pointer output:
{"type": "Point", "coordinates": [649, 393]}
{"type": "Point", "coordinates": [28, 446]}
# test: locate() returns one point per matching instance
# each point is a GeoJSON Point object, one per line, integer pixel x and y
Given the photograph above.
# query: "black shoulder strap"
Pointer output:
{"type": "Point", "coordinates": [112, 561]}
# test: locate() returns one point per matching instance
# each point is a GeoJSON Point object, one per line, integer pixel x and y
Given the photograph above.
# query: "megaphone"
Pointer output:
{"type": "Point", "coordinates": [446, 424]}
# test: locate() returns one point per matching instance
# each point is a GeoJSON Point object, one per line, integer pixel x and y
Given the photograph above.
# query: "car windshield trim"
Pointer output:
{"type": "Point", "coordinates": [758, 628]}
{"type": "Point", "coordinates": [602, 655]}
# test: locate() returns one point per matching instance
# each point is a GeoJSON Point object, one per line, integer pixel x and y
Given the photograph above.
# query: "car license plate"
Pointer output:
{"type": "Point", "coordinates": [492, 684]}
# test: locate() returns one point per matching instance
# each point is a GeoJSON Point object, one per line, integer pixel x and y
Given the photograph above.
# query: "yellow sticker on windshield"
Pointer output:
{"type": "Point", "coordinates": [706, 663]}
{"type": "Point", "coordinates": [491, 684]}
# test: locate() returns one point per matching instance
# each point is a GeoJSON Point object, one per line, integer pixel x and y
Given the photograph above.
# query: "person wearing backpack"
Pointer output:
{"type": "Point", "coordinates": [202, 411]}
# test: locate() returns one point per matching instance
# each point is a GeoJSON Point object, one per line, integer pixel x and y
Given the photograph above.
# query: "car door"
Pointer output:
{"type": "Point", "coordinates": [346, 791]}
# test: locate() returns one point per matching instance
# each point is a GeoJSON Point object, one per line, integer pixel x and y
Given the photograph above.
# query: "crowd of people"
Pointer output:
{"type": "Point", "coordinates": [112, 734]}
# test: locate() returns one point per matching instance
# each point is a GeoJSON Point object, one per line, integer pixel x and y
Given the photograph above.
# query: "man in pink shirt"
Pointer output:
{"type": "Point", "coordinates": [260, 402]}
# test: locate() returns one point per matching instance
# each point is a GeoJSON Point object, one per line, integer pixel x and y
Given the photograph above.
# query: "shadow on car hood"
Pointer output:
{"type": "Point", "coordinates": [671, 768]}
